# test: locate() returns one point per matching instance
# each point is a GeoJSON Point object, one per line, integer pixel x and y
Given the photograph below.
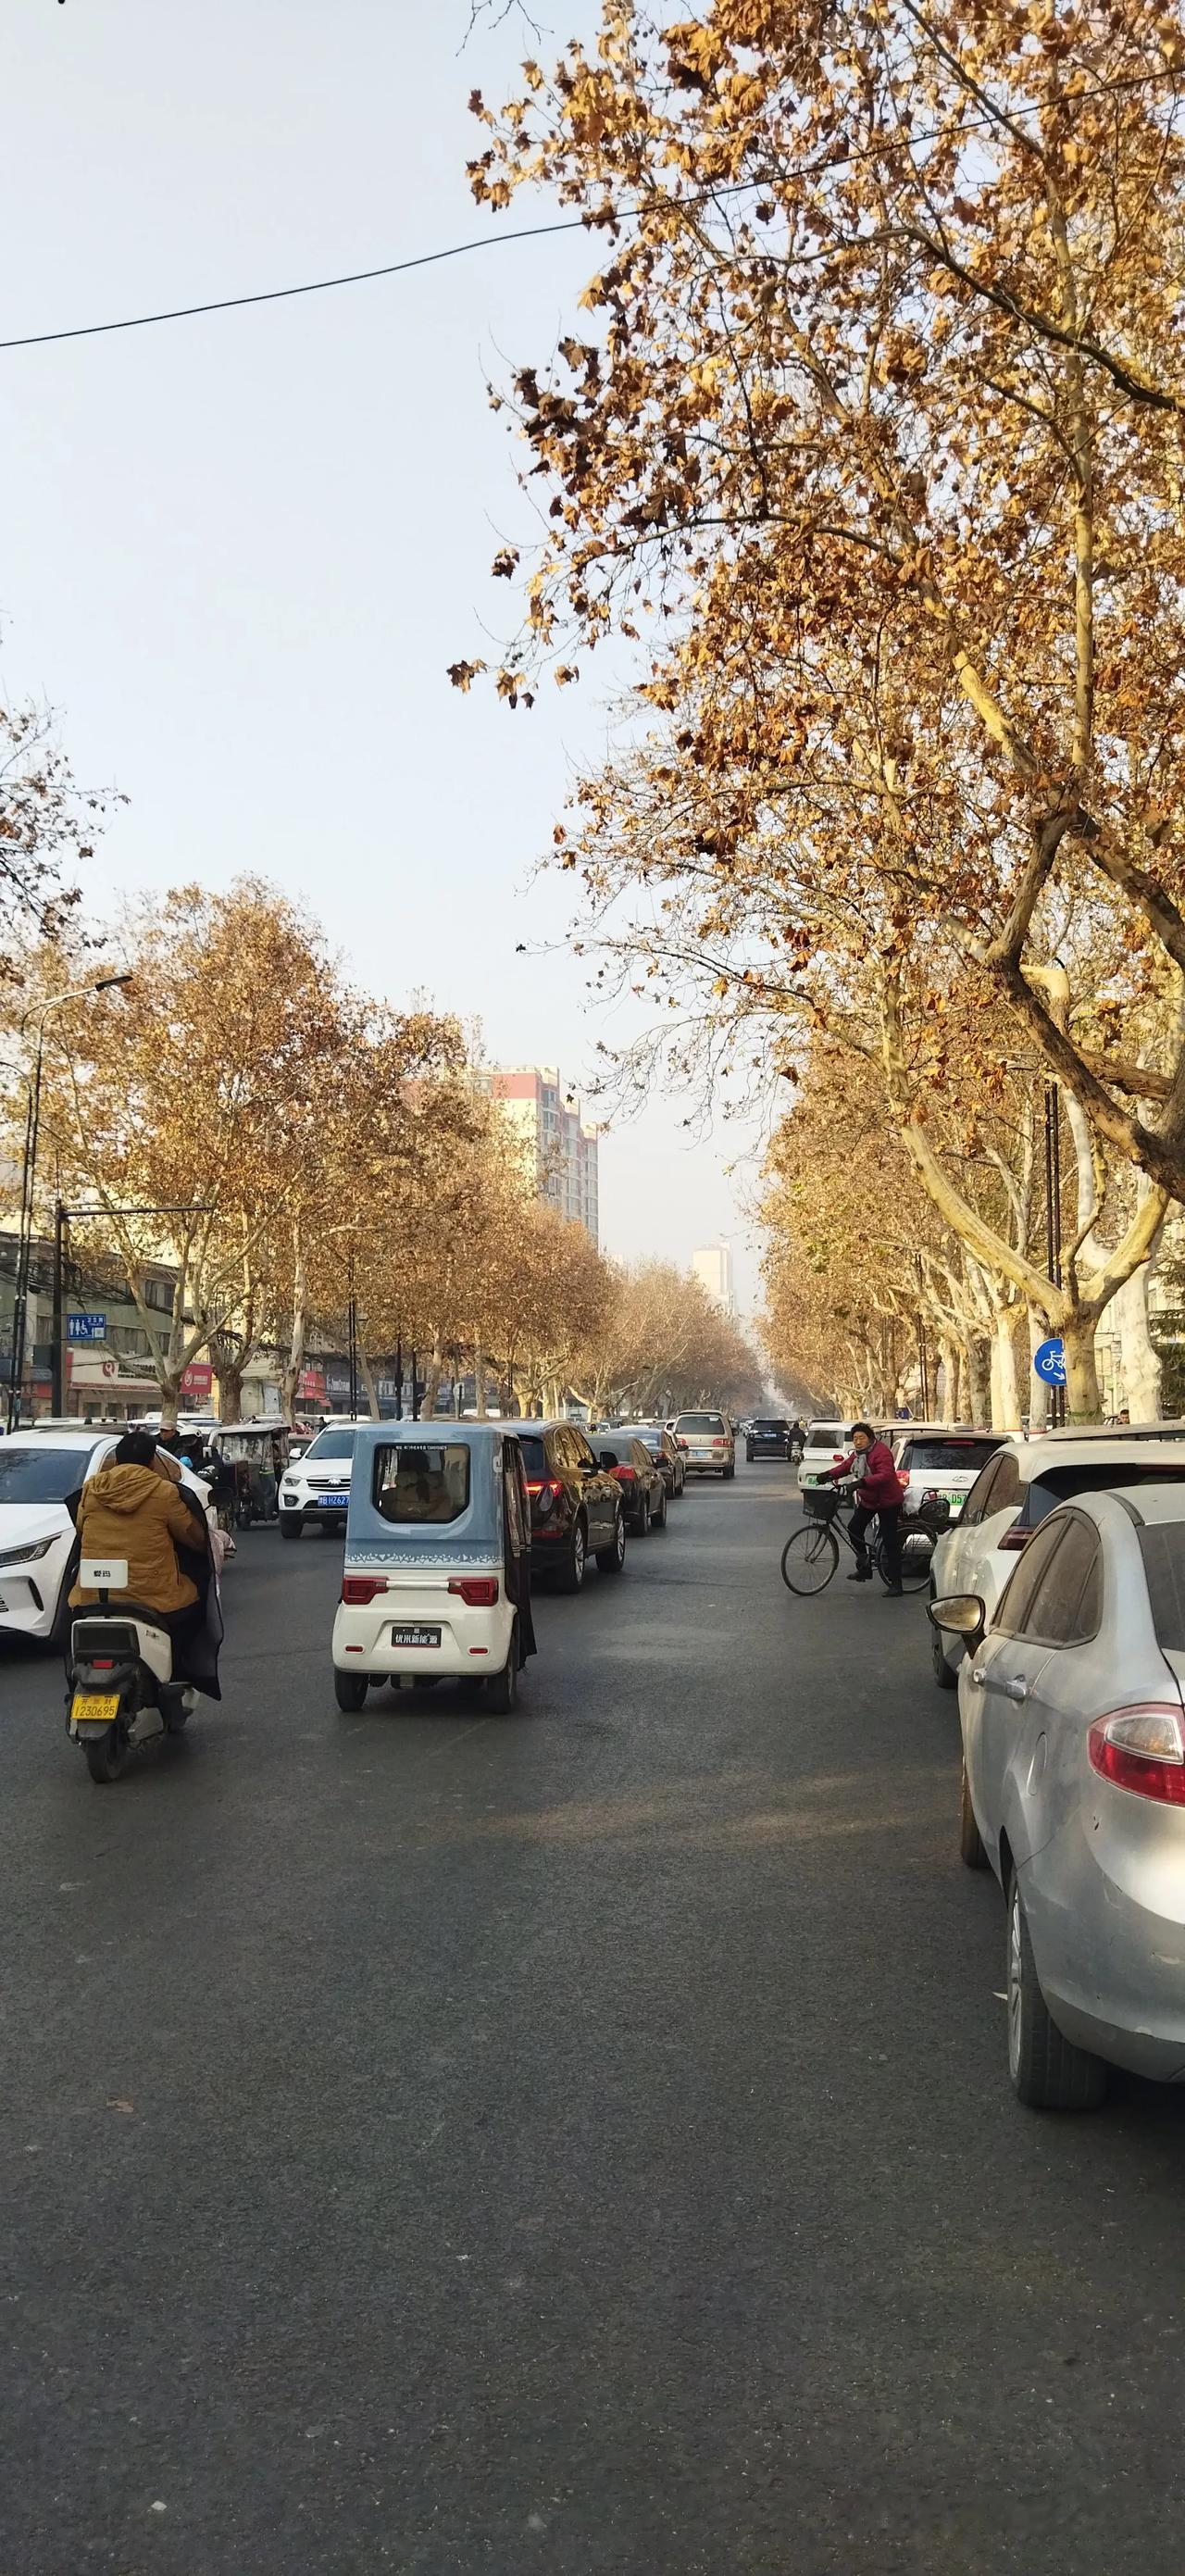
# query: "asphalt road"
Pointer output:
{"type": "Point", "coordinates": [578, 2141]}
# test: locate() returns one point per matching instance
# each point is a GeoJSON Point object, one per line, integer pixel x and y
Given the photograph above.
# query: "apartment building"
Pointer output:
{"type": "Point", "coordinates": [712, 1265]}
{"type": "Point", "coordinates": [559, 1147]}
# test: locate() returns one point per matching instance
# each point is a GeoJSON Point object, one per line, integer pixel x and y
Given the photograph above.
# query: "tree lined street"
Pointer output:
{"type": "Point", "coordinates": [579, 2140]}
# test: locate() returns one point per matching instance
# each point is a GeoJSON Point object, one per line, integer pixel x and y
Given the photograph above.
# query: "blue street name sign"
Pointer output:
{"type": "Point", "coordinates": [86, 1328]}
{"type": "Point", "coordinates": [1050, 1362]}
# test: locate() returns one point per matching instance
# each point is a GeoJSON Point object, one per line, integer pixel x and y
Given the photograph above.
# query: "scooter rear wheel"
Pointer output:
{"type": "Point", "coordinates": [107, 1754]}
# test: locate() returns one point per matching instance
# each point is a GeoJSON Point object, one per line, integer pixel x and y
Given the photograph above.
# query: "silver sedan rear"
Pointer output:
{"type": "Point", "coordinates": [1073, 1726]}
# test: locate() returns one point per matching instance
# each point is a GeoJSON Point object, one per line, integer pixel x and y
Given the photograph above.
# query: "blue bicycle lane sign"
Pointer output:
{"type": "Point", "coordinates": [1050, 1362]}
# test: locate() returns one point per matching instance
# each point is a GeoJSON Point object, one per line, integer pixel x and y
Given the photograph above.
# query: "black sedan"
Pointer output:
{"type": "Point", "coordinates": [767, 1438]}
{"type": "Point", "coordinates": [668, 1458]}
{"type": "Point", "coordinates": [638, 1475]}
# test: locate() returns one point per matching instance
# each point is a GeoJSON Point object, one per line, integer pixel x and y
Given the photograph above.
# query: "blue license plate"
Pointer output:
{"type": "Point", "coordinates": [333, 1502]}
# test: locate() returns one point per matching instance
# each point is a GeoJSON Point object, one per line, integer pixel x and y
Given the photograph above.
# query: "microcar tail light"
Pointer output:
{"type": "Point", "coordinates": [1014, 1539]}
{"type": "Point", "coordinates": [1142, 1749]}
{"type": "Point", "coordinates": [479, 1590]}
{"type": "Point", "coordinates": [358, 1589]}
{"type": "Point", "coordinates": [546, 1493]}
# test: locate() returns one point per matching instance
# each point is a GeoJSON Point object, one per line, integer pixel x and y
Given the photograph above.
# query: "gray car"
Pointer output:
{"type": "Point", "coordinates": [1073, 1726]}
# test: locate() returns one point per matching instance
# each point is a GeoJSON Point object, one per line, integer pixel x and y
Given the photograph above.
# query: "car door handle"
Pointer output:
{"type": "Point", "coordinates": [1019, 1691]}
{"type": "Point", "coordinates": [978, 1676]}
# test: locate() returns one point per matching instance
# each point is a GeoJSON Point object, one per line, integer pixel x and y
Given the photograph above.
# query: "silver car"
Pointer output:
{"type": "Point", "coordinates": [1073, 1725]}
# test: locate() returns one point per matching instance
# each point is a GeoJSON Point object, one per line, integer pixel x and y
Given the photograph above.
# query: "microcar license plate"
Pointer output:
{"type": "Point", "coordinates": [333, 1502]}
{"type": "Point", "coordinates": [95, 1707]}
{"type": "Point", "coordinates": [415, 1636]}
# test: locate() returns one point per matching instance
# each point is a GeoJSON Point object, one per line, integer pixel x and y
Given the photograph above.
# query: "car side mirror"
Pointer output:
{"type": "Point", "coordinates": [961, 1614]}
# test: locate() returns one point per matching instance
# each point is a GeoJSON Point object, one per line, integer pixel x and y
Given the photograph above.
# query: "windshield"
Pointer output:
{"type": "Point", "coordinates": [331, 1444]}
{"type": "Point", "coordinates": [41, 1475]}
{"type": "Point", "coordinates": [422, 1481]}
{"type": "Point", "coordinates": [1059, 1484]}
{"type": "Point", "coordinates": [1162, 1546]}
{"type": "Point", "coordinates": [945, 1457]}
{"type": "Point", "coordinates": [699, 1422]}
{"type": "Point", "coordinates": [827, 1435]}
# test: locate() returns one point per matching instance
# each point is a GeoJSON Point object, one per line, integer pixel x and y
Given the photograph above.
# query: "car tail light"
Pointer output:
{"type": "Point", "coordinates": [479, 1590]}
{"type": "Point", "coordinates": [546, 1493]}
{"type": "Point", "coordinates": [1014, 1539]}
{"type": "Point", "coordinates": [358, 1589]}
{"type": "Point", "coordinates": [625, 1475]}
{"type": "Point", "coordinates": [903, 1480]}
{"type": "Point", "coordinates": [837, 1457]}
{"type": "Point", "coordinates": [1142, 1749]}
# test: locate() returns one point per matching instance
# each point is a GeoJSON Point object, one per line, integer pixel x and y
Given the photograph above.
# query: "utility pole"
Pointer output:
{"type": "Point", "coordinates": [1053, 1222]}
{"type": "Point", "coordinates": [57, 1398]}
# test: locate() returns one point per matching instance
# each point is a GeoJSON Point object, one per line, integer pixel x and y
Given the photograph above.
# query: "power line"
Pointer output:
{"type": "Point", "coordinates": [280, 294]}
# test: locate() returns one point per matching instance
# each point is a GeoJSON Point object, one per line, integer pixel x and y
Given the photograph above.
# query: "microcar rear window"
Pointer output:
{"type": "Point", "coordinates": [422, 1481]}
{"type": "Point", "coordinates": [1162, 1546]}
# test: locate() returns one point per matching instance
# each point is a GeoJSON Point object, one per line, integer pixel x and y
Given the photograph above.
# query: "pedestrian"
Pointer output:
{"type": "Point", "coordinates": [878, 1497]}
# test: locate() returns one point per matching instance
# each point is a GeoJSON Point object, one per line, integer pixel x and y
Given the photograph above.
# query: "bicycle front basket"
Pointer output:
{"type": "Point", "coordinates": [820, 1502]}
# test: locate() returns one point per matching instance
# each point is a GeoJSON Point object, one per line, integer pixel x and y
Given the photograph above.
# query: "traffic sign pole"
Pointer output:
{"type": "Point", "coordinates": [57, 1395]}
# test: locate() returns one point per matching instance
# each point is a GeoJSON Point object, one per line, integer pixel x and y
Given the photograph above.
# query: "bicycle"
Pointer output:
{"type": "Point", "coordinates": [811, 1553]}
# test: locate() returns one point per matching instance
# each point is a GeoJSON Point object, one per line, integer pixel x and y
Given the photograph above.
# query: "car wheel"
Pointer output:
{"type": "Point", "coordinates": [501, 1691]}
{"type": "Point", "coordinates": [660, 1517]}
{"type": "Point", "coordinates": [350, 1690]}
{"type": "Point", "coordinates": [293, 1527]}
{"type": "Point", "coordinates": [642, 1523]}
{"type": "Point", "coordinates": [612, 1559]}
{"type": "Point", "coordinates": [729, 1473]}
{"type": "Point", "coordinates": [971, 1850]}
{"type": "Point", "coordinates": [570, 1575]}
{"type": "Point", "coordinates": [943, 1675]}
{"type": "Point", "coordinates": [1048, 2072]}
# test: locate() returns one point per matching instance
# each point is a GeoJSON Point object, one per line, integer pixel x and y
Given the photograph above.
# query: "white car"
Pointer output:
{"type": "Point", "coordinates": [40, 1472]}
{"type": "Point", "coordinates": [1023, 1481]}
{"type": "Point", "coordinates": [316, 1487]}
{"type": "Point", "coordinates": [943, 1463]}
{"type": "Point", "coordinates": [826, 1444]}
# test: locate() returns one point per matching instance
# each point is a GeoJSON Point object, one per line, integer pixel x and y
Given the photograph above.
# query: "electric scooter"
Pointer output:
{"type": "Point", "coordinates": [120, 1674]}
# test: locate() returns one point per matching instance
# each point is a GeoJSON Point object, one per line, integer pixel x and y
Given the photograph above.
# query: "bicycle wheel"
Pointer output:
{"type": "Point", "coordinates": [809, 1558]}
{"type": "Point", "coordinates": [917, 1552]}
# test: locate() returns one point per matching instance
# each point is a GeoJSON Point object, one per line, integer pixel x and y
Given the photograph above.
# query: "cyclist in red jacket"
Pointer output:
{"type": "Point", "coordinates": [878, 1496]}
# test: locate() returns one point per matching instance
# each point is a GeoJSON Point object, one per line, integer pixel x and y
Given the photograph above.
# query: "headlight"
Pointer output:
{"type": "Point", "coordinates": [26, 1555]}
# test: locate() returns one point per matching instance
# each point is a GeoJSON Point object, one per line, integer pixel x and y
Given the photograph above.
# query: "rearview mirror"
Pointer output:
{"type": "Point", "coordinates": [960, 1613]}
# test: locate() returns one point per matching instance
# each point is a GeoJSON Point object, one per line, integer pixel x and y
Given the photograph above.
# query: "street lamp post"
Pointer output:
{"type": "Point", "coordinates": [78, 993]}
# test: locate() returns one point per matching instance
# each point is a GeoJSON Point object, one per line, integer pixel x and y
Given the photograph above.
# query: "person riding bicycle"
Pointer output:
{"type": "Point", "coordinates": [878, 1497]}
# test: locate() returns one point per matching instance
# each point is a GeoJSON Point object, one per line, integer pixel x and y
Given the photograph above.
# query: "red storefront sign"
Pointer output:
{"type": "Point", "coordinates": [198, 1378]}
{"type": "Point", "coordinates": [311, 1387]}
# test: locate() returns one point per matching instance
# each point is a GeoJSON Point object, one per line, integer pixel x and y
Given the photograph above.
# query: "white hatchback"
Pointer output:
{"type": "Point", "coordinates": [826, 1444]}
{"type": "Point", "coordinates": [943, 1464]}
{"type": "Point", "coordinates": [1011, 1496]}
{"type": "Point", "coordinates": [41, 1474]}
{"type": "Point", "coordinates": [317, 1487]}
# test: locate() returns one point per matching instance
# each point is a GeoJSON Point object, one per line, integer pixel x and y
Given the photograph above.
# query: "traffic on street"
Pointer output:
{"type": "Point", "coordinates": [443, 2139]}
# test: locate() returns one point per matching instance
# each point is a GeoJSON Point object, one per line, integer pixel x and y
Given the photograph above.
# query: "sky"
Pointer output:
{"type": "Point", "coordinates": [240, 552]}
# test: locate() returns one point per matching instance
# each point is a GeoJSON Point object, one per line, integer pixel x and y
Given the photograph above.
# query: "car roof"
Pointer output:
{"type": "Point", "coordinates": [1034, 1457]}
{"type": "Point", "coordinates": [411, 1433]}
{"type": "Point", "coordinates": [77, 1435]}
{"type": "Point", "coordinates": [1143, 1502]}
{"type": "Point", "coordinates": [1116, 1431]}
{"type": "Point", "coordinates": [945, 1431]}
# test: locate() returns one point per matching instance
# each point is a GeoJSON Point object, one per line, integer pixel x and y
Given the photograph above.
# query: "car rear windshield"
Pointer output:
{"type": "Point", "coordinates": [1162, 1546]}
{"type": "Point", "coordinates": [700, 1422]}
{"type": "Point", "coordinates": [332, 1444]}
{"type": "Point", "coordinates": [649, 1439]}
{"type": "Point", "coordinates": [1059, 1484]}
{"type": "Point", "coordinates": [534, 1456]}
{"type": "Point", "coordinates": [945, 1457]}
{"type": "Point", "coordinates": [41, 1475]}
{"type": "Point", "coordinates": [771, 1426]}
{"type": "Point", "coordinates": [422, 1480]}
{"type": "Point", "coordinates": [826, 1435]}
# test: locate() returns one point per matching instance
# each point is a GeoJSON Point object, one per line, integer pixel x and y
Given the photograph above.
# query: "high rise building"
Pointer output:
{"type": "Point", "coordinates": [712, 1265]}
{"type": "Point", "coordinates": [559, 1148]}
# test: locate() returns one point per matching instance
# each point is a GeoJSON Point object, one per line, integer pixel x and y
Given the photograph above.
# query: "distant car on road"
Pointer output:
{"type": "Point", "coordinates": [663, 1447]}
{"type": "Point", "coordinates": [708, 1444]}
{"type": "Point", "coordinates": [315, 1489]}
{"type": "Point", "coordinates": [576, 1504]}
{"type": "Point", "coordinates": [825, 1444]}
{"type": "Point", "coordinates": [1073, 1728]}
{"type": "Point", "coordinates": [767, 1437]}
{"type": "Point", "coordinates": [1012, 1495]}
{"type": "Point", "coordinates": [643, 1485]}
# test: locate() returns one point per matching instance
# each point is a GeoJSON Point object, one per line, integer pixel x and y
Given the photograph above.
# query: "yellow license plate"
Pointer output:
{"type": "Point", "coordinates": [99, 1706]}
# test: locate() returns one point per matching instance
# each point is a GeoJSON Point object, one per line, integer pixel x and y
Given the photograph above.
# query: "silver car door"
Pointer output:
{"type": "Point", "coordinates": [1056, 1659]}
{"type": "Point", "coordinates": [996, 1682]}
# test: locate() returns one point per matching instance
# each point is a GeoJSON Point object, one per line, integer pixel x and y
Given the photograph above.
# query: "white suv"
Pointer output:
{"type": "Point", "coordinates": [1022, 1482]}
{"type": "Point", "coordinates": [42, 1473]}
{"type": "Point", "coordinates": [317, 1487]}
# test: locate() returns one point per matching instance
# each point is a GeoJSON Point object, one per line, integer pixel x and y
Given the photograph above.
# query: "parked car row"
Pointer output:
{"type": "Point", "coordinates": [1058, 1612]}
